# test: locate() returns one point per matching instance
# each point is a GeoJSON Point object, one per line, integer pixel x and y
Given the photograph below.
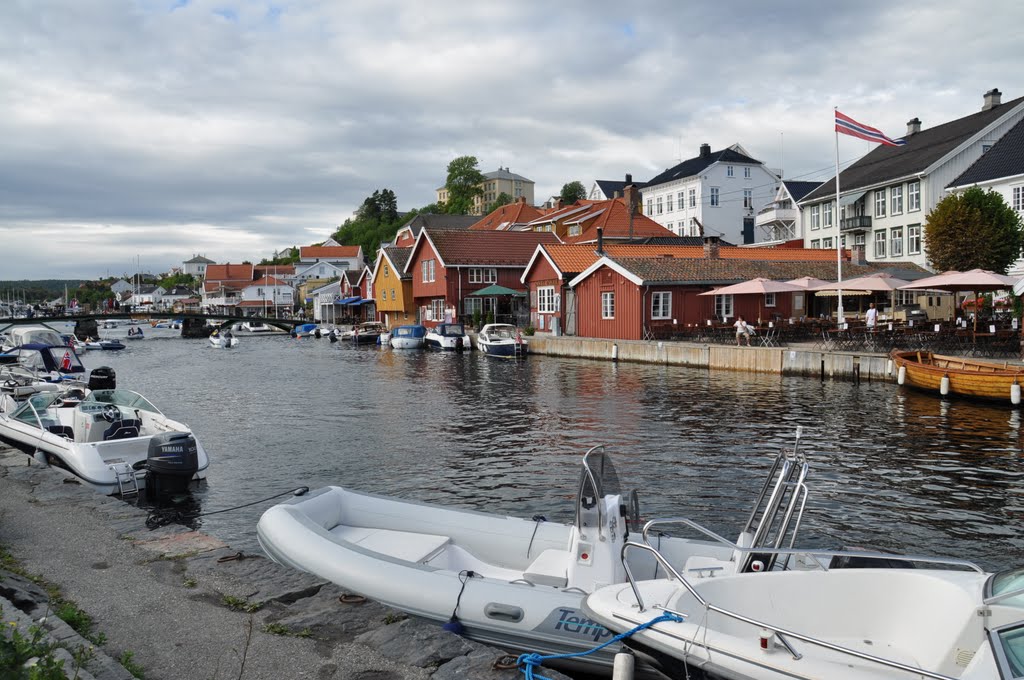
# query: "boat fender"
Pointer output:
{"type": "Point", "coordinates": [622, 668]}
{"type": "Point", "coordinates": [944, 386]}
{"type": "Point", "coordinates": [1015, 394]}
{"type": "Point", "coordinates": [901, 376]}
{"type": "Point", "coordinates": [888, 367]}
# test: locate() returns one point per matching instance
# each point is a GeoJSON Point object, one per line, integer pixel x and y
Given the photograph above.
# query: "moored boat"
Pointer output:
{"type": "Point", "coordinates": [408, 337]}
{"type": "Point", "coordinates": [501, 340]}
{"type": "Point", "coordinates": [949, 375]}
{"type": "Point", "coordinates": [366, 333]}
{"type": "Point", "coordinates": [448, 336]}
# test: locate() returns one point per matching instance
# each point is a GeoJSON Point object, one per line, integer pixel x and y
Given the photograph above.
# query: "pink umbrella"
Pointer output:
{"type": "Point", "coordinates": [758, 286]}
{"type": "Point", "coordinates": [974, 280]}
{"type": "Point", "coordinates": [873, 283]}
{"type": "Point", "coordinates": [806, 282]}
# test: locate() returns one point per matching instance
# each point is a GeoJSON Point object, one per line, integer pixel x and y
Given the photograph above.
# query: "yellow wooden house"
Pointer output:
{"type": "Point", "coordinates": [392, 288]}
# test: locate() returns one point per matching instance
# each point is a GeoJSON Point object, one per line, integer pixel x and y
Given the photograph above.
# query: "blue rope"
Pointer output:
{"type": "Point", "coordinates": [529, 662]}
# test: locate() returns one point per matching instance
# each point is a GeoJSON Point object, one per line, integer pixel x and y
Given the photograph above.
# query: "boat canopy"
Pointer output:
{"type": "Point", "coordinates": [126, 398]}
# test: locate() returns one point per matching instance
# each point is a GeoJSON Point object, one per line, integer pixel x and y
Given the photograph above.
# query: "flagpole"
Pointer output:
{"type": "Point", "coordinates": [839, 228]}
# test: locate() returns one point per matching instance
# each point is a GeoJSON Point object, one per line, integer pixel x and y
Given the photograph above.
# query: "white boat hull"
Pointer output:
{"type": "Point", "coordinates": [221, 342]}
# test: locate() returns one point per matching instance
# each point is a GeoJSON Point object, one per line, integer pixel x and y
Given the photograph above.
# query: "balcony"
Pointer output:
{"type": "Point", "coordinates": [773, 213]}
{"type": "Point", "coordinates": [857, 223]}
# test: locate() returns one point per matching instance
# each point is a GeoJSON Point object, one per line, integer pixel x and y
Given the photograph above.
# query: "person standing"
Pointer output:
{"type": "Point", "coordinates": [742, 331]}
{"type": "Point", "coordinates": [872, 316]}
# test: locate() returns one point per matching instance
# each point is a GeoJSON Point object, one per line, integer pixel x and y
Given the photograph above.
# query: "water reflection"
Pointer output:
{"type": "Point", "coordinates": [890, 468]}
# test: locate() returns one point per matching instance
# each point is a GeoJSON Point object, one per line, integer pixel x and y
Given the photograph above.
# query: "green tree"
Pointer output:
{"type": "Point", "coordinates": [375, 222]}
{"type": "Point", "coordinates": [463, 185]}
{"type": "Point", "coordinates": [502, 199]}
{"type": "Point", "coordinates": [975, 229]}
{"type": "Point", "coordinates": [572, 192]}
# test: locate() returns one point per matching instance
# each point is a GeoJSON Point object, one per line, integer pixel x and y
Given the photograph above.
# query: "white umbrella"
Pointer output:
{"type": "Point", "coordinates": [874, 283]}
{"type": "Point", "coordinates": [758, 286]}
{"type": "Point", "coordinates": [807, 282]}
{"type": "Point", "coordinates": [973, 280]}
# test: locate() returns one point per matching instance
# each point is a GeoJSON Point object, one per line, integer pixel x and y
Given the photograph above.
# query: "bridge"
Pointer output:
{"type": "Point", "coordinates": [191, 326]}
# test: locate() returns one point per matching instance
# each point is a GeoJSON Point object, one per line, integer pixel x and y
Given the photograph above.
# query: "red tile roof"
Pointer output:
{"type": "Point", "coordinates": [275, 269]}
{"type": "Point", "coordinates": [611, 215]}
{"type": "Point", "coordinates": [495, 248]}
{"type": "Point", "coordinates": [327, 252]}
{"type": "Point", "coordinates": [229, 272]}
{"type": "Point", "coordinates": [519, 212]}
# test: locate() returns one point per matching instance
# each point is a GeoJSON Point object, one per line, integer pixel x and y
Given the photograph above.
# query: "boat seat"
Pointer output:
{"type": "Point", "coordinates": [65, 431]}
{"type": "Point", "coordinates": [122, 429]}
{"type": "Point", "coordinates": [407, 546]}
{"type": "Point", "coordinates": [551, 568]}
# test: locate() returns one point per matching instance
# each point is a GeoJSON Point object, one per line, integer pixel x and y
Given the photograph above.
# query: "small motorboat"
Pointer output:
{"type": "Point", "coordinates": [56, 362]}
{"type": "Point", "coordinates": [958, 376]}
{"type": "Point", "coordinates": [109, 345]}
{"type": "Point", "coordinates": [113, 440]}
{"type": "Point", "coordinates": [366, 333]}
{"type": "Point", "coordinates": [448, 336]}
{"type": "Point", "coordinates": [501, 340]}
{"type": "Point", "coordinates": [526, 577]}
{"type": "Point", "coordinates": [37, 334]}
{"type": "Point", "coordinates": [256, 327]}
{"type": "Point", "coordinates": [408, 337]}
{"type": "Point", "coordinates": [223, 340]}
{"type": "Point", "coordinates": [306, 330]}
{"type": "Point", "coordinates": [135, 333]}
{"type": "Point", "coordinates": [35, 368]}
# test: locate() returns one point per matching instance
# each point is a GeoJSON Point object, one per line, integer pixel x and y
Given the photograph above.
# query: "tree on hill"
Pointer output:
{"type": "Point", "coordinates": [463, 185]}
{"type": "Point", "coordinates": [375, 222]}
{"type": "Point", "coordinates": [973, 230]}
{"type": "Point", "coordinates": [502, 199]}
{"type": "Point", "coordinates": [572, 192]}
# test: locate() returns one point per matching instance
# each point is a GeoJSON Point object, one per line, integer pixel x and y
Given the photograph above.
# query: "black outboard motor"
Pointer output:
{"type": "Point", "coordinates": [103, 378]}
{"type": "Point", "coordinates": [172, 461]}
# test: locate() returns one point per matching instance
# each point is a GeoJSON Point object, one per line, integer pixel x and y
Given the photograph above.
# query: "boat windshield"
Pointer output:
{"type": "Point", "coordinates": [33, 408]}
{"type": "Point", "coordinates": [453, 330]}
{"type": "Point", "coordinates": [126, 398]}
{"type": "Point", "coordinates": [1009, 647]}
{"type": "Point", "coordinates": [597, 480]}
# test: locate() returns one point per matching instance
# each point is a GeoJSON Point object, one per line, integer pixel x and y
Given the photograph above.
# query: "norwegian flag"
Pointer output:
{"type": "Point", "coordinates": [848, 126]}
{"type": "Point", "coordinates": [65, 363]}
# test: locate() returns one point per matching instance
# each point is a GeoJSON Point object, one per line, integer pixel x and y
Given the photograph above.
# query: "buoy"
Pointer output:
{"type": "Point", "coordinates": [622, 668]}
{"type": "Point", "coordinates": [615, 352]}
{"type": "Point", "coordinates": [901, 375]}
{"type": "Point", "coordinates": [1015, 394]}
{"type": "Point", "coordinates": [888, 367]}
{"type": "Point", "coordinates": [944, 385]}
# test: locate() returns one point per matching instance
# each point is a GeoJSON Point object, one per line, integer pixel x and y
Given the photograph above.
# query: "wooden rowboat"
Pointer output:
{"type": "Point", "coordinates": [943, 375]}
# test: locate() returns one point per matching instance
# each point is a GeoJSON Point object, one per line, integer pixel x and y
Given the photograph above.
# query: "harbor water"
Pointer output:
{"type": "Point", "coordinates": [891, 469]}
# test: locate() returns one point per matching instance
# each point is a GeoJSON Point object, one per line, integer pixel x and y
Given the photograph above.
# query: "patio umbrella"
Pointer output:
{"type": "Point", "coordinates": [974, 281]}
{"type": "Point", "coordinates": [499, 290]}
{"type": "Point", "coordinates": [758, 286]}
{"type": "Point", "coordinates": [807, 282]}
{"type": "Point", "coordinates": [874, 283]}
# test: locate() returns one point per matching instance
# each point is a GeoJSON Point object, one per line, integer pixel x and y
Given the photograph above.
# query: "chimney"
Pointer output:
{"type": "Point", "coordinates": [600, 242]}
{"type": "Point", "coordinates": [705, 150]}
{"type": "Point", "coordinates": [629, 178]}
{"type": "Point", "coordinates": [711, 247]}
{"type": "Point", "coordinates": [558, 203]}
{"type": "Point", "coordinates": [993, 98]}
{"type": "Point", "coordinates": [913, 126]}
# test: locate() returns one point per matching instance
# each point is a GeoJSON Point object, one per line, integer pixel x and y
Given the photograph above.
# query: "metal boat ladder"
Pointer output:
{"type": "Point", "coordinates": [777, 515]}
{"type": "Point", "coordinates": [127, 480]}
{"type": "Point", "coordinates": [519, 349]}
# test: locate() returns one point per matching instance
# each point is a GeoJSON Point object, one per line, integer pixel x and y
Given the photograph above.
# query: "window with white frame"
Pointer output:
{"type": "Point", "coordinates": [746, 172]}
{"type": "Point", "coordinates": [668, 203]}
{"type": "Point", "coordinates": [490, 276]}
{"type": "Point", "coordinates": [714, 197]}
{"type": "Point", "coordinates": [471, 305]}
{"type": "Point", "coordinates": [650, 206]}
{"type": "Point", "coordinates": [896, 242]}
{"type": "Point", "coordinates": [748, 198]}
{"type": "Point", "coordinates": [659, 203]}
{"type": "Point", "coordinates": [1017, 200]}
{"type": "Point", "coordinates": [668, 225]}
{"type": "Point", "coordinates": [428, 270]}
{"type": "Point", "coordinates": [880, 243]}
{"type": "Point", "coordinates": [896, 194]}
{"type": "Point", "coordinates": [880, 203]}
{"type": "Point", "coordinates": [476, 275]}
{"type": "Point", "coordinates": [679, 200]}
{"type": "Point", "coordinates": [661, 305]}
{"type": "Point", "coordinates": [913, 239]}
{"type": "Point", "coordinates": [437, 309]}
{"type": "Point", "coordinates": [383, 294]}
{"type": "Point", "coordinates": [693, 198]}
{"type": "Point", "coordinates": [826, 219]}
{"type": "Point", "coordinates": [860, 239]}
{"type": "Point", "coordinates": [816, 243]}
{"type": "Point", "coordinates": [608, 305]}
{"type": "Point", "coordinates": [913, 196]}
{"type": "Point", "coordinates": [842, 241]}
{"type": "Point", "coordinates": [547, 301]}
{"type": "Point", "coordinates": [826, 243]}
{"type": "Point", "coordinates": [815, 217]}
{"type": "Point", "coordinates": [769, 299]}
{"type": "Point", "coordinates": [575, 230]}
{"type": "Point", "coordinates": [392, 294]}
{"type": "Point", "coordinates": [723, 306]}
{"type": "Point", "coordinates": [728, 171]}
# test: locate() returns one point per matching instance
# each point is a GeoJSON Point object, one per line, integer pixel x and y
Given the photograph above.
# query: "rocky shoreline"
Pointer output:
{"type": "Point", "coordinates": [176, 603]}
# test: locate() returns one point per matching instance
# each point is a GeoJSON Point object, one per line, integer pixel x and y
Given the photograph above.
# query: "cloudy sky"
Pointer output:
{"type": "Point", "coordinates": [151, 130]}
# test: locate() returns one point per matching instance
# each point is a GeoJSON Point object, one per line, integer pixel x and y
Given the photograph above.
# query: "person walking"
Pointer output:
{"type": "Point", "coordinates": [872, 316]}
{"type": "Point", "coordinates": [742, 331]}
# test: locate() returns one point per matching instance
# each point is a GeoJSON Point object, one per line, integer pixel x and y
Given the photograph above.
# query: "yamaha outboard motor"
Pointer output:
{"type": "Point", "coordinates": [103, 378]}
{"type": "Point", "coordinates": [172, 461]}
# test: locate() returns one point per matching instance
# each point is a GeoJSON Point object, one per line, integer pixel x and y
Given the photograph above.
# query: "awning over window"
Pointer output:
{"type": "Point", "coordinates": [850, 199]}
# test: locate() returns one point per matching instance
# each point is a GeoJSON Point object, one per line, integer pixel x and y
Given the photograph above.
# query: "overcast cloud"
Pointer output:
{"type": "Point", "coordinates": [160, 129]}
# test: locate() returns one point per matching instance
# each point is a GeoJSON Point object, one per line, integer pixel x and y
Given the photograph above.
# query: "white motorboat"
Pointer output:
{"type": "Point", "coordinates": [28, 334]}
{"type": "Point", "coordinates": [113, 440]}
{"type": "Point", "coordinates": [448, 336]}
{"type": "Point", "coordinates": [407, 337]}
{"type": "Point", "coordinates": [501, 340]}
{"type": "Point", "coordinates": [366, 333]}
{"type": "Point", "coordinates": [223, 340]}
{"type": "Point", "coordinates": [256, 327]}
{"type": "Point", "coordinates": [806, 617]}
{"type": "Point", "coordinates": [515, 583]}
